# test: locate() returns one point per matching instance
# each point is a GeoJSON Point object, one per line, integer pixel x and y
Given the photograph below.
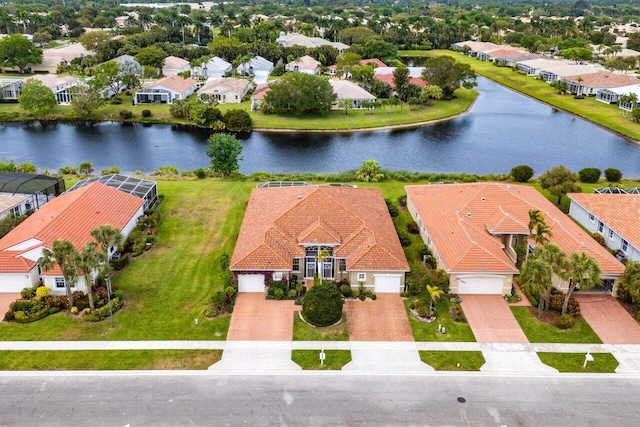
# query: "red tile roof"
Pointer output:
{"type": "Point", "coordinates": [388, 78]}
{"type": "Point", "coordinates": [12, 262]}
{"type": "Point", "coordinates": [461, 218]}
{"type": "Point", "coordinates": [71, 216]}
{"type": "Point", "coordinates": [621, 212]}
{"type": "Point", "coordinates": [279, 221]}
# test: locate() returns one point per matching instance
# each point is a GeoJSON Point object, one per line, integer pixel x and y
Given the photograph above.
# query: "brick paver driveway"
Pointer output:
{"type": "Point", "coordinates": [384, 319]}
{"type": "Point", "coordinates": [256, 319]}
{"type": "Point", "coordinates": [609, 319]}
{"type": "Point", "coordinates": [5, 301]}
{"type": "Point", "coordinates": [491, 320]}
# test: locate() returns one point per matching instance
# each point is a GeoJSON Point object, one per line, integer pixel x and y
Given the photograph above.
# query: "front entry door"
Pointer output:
{"type": "Point", "coordinates": [311, 269]}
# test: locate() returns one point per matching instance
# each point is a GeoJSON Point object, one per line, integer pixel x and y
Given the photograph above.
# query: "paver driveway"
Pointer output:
{"type": "Point", "coordinates": [256, 319]}
{"type": "Point", "coordinates": [491, 320]}
{"type": "Point", "coordinates": [5, 302]}
{"type": "Point", "coordinates": [609, 319]}
{"type": "Point", "coordinates": [384, 319]}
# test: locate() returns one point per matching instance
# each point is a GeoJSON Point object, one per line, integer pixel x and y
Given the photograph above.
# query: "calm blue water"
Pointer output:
{"type": "Point", "coordinates": [503, 129]}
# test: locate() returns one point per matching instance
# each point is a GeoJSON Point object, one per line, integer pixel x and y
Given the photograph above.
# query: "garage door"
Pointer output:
{"type": "Point", "coordinates": [251, 283]}
{"type": "Point", "coordinates": [387, 283]}
{"type": "Point", "coordinates": [480, 285]}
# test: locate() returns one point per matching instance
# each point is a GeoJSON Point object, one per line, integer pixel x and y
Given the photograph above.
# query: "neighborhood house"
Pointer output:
{"type": "Point", "coordinates": [173, 66]}
{"type": "Point", "coordinates": [166, 90]}
{"type": "Point", "coordinates": [225, 90]}
{"type": "Point", "coordinates": [473, 230]}
{"type": "Point", "coordinates": [334, 232]}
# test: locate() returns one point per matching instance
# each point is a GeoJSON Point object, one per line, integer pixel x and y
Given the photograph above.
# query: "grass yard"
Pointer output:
{"type": "Point", "coordinates": [608, 116]}
{"type": "Point", "coordinates": [167, 288]}
{"type": "Point", "coordinates": [455, 331]}
{"type": "Point", "coordinates": [304, 332]}
{"type": "Point", "coordinates": [453, 360]}
{"type": "Point", "coordinates": [603, 363]}
{"type": "Point", "coordinates": [310, 359]}
{"type": "Point", "coordinates": [104, 360]}
{"type": "Point", "coordinates": [538, 331]}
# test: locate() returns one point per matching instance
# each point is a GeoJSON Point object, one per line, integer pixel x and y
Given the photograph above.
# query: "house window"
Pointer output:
{"type": "Point", "coordinates": [59, 282]}
{"type": "Point", "coordinates": [296, 264]}
{"type": "Point", "coordinates": [611, 234]}
{"type": "Point", "coordinates": [15, 210]}
{"type": "Point", "coordinates": [514, 242]}
{"type": "Point", "coordinates": [342, 264]}
{"type": "Point", "coordinates": [624, 246]}
{"type": "Point", "coordinates": [592, 218]}
{"type": "Point", "coordinates": [277, 276]}
{"type": "Point", "coordinates": [362, 277]}
{"type": "Point", "coordinates": [600, 226]}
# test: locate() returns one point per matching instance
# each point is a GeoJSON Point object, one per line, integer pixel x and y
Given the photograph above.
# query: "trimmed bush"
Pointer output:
{"type": "Point", "coordinates": [589, 175]}
{"type": "Point", "coordinates": [404, 238]}
{"type": "Point", "coordinates": [43, 292]}
{"type": "Point", "coordinates": [393, 208]}
{"type": "Point", "coordinates": [599, 238]}
{"type": "Point", "coordinates": [238, 121]}
{"type": "Point", "coordinates": [556, 301]}
{"type": "Point", "coordinates": [119, 294]}
{"type": "Point", "coordinates": [200, 173]}
{"type": "Point", "coordinates": [346, 291]}
{"type": "Point", "coordinates": [27, 293]}
{"type": "Point", "coordinates": [564, 322]}
{"type": "Point", "coordinates": [522, 173]}
{"type": "Point", "coordinates": [613, 174]}
{"type": "Point", "coordinates": [80, 300]}
{"type": "Point", "coordinates": [413, 228]}
{"type": "Point", "coordinates": [121, 263]}
{"type": "Point", "coordinates": [146, 113]}
{"type": "Point", "coordinates": [103, 312]}
{"type": "Point", "coordinates": [22, 317]}
{"type": "Point", "coordinates": [57, 301]}
{"type": "Point", "coordinates": [322, 305]}
{"type": "Point", "coordinates": [402, 201]}
{"type": "Point", "coordinates": [126, 114]}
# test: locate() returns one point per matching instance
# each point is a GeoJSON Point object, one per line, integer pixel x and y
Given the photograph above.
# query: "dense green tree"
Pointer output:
{"type": "Point", "coordinates": [299, 93]}
{"type": "Point", "coordinates": [370, 171]}
{"type": "Point", "coordinates": [225, 153]}
{"type": "Point", "coordinates": [581, 270]}
{"type": "Point", "coordinates": [535, 278]}
{"type": "Point", "coordinates": [379, 49]}
{"type": "Point", "coordinates": [522, 173]}
{"type": "Point", "coordinates": [63, 254]}
{"type": "Point", "coordinates": [559, 180]}
{"type": "Point", "coordinates": [630, 282]}
{"type": "Point", "coordinates": [18, 51]}
{"type": "Point", "coordinates": [36, 97]}
{"type": "Point", "coordinates": [152, 56]}
{"type": "Point", "coordinates": [131, 73]}
{"type": "Point", "coordinates": [237, 120]}
{"type": "Point", "coordinates": [358, 35]}
{"type": "Point", "coordinates": [400, 76]}
{"type": "Point", "coordinates": [633, 42]}
{"type": "Point", "coordinates": [107, 76]}
{"type": "Point", "coordinates": [97, 41]}
{"type": "Point", "coordinates": [86, 100]}
{"type": "Point", "coordinates": [448, 74]}
{"type": "Point", "coordinates": [577, 54]}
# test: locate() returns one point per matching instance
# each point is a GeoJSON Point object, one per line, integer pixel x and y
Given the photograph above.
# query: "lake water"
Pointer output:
{"type": "Point", "coordinates": [503, 129]}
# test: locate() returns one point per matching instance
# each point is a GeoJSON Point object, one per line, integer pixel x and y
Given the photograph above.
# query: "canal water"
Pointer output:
{"type": "Point", "coordinates": [502, 129]}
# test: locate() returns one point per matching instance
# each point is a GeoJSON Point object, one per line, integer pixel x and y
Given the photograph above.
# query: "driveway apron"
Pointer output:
{"type": "Point", "coordinates": [384, 319]}
{"type": "Point", "coordinates": [491, 320]}
{"type": "Point", "coordinates": [257, 319]}
{"type": "Point", "coordinates": [608, 319]}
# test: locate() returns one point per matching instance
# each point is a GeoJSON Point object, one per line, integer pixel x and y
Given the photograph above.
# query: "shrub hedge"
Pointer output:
{"type": "Point", "coordinates": [103, 312]}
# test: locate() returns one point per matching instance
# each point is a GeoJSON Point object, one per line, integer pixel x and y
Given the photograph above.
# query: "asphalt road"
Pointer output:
{"type": "Point", "coordinates": [207, 399]}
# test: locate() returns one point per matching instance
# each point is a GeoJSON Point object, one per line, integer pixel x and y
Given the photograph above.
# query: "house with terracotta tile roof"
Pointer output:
{"type": "Point", "coordinates": [473, 230]}
{"type": "Point", "coordinates": [166, 90]}
{"type": "Point", "coordinates": [614, 216]}
{"type": "Point", "coordinates": [285, 228]}
{"type": "Point", "coordinates": [258, 94]}
{"type": "Point", "coordinates": [70, 216]}
{"type": "Point", "coordinates": [351, 92]}
{"type": "Point", "coordinates": [373, 62]}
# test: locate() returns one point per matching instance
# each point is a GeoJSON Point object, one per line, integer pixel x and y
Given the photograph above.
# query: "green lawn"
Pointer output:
{"type": "Point", "coordinates": [609, 116]}
{"type": "Point", "coordinates": [304, 332]}
{"type": "Point", "coordinates": [538, 331]}
{"type": "Point", "coordinates": [453, 360]}
{"type": "Point", "coordinates": [167, 288]}
{"type": "Point", "coordinates": [573, 362]}
{"type": "Point", "coordinates": [108, 360]}
{"type": "Point", "coordinates": [310, 359]}
{"type": "Point", "coordinates": [455, 331]}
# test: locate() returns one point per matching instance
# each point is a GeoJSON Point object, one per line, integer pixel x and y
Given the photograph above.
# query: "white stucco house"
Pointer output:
{"type": "Point", "coordinates": [614, 216]}
{"type": "Point", "coordinates": [214, 68]}
{"type": "Point", "coordinates": [304, 64]}
{"type": "Point", "coordinates": [346, 90]}
{"type": "Point", "coordinates": [70, 216]}
{"type": "Point", "coordinates": [225, 90]}
{"type": "Point", "coordinates": [173, 66]}
{"type": "Point", "coordinates": [166, 90]}
{"type": "Point", "coordinates": [258, 68]}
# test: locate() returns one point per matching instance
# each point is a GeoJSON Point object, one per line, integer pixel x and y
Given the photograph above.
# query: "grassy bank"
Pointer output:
{"type": "Point", "coordinates": [103, 360]}
{"type": "Point", "coordinates": [608, 116]}
{"type": "Point", "coordinates": [333, 121]}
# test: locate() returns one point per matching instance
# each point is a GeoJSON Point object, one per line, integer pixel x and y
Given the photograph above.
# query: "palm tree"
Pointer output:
{"type": "Point", "coordinates": [581, 270]}
{"type": "Point", "coordinates": [106, 237]}
{"type": "Point", "coordinates": [535, 279]}
{"type": "Point", "coordinates": [63, 254]}
{"type": "Point", "coordinates": [88, 261]}
{"type": "Point", "coordinates": [542, 230]}
{"type": "Point", "coordinates": [558, 262]}
{"type": "Point", "coordinates": [434, 296]}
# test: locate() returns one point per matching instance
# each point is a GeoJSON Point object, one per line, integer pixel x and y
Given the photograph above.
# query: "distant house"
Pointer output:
{"type": "Point", "coordinates": [561, 69]}
{"type": "Point", "coordinates": [225, 90]}
{"type": "Point", "coordinates": [86, 208]}
{"type": "Point", "coordinates": [295, 39]}
{"type": "Point", "coordinates": [532, 67]}
{"type": "Point", "coordinates": [124, 58]}
{"type": "Point", "coordinates": [62, 87]}
{"type": "Point", "coordinates": [173, 66]}
{"type": "Point", "coordinates": [10, 89]}
{"type": "Point", "coordinates": [473, 229]}
{"type": "Point", "coordinates": [166, 90]}
{"type": "Point", "coordinates": [490, 55]}
{"type": "Point", "coordinates": [285, 229]}
{"type": "Point", "coordinates": [590, 84]}
{"type": "Point", "coordinates": [375, 63]}
{"type": "Point", "coordinates": [613, 216]}
{"type": "Point", "coordinates": [472, 48]}
{"type": "Point", "coordinates": [51, 58]}
{"type": "Point", "coordinates": [346, 90]}
{"type": "Point", "coordinates": [212, 69]}
{"type": "Point", "coordinates": [258, 68]}
{"type": "Point", "coordinates": [14, 204]}
{"type": "Point", "coordinates": [388, 78]}
{"type": "Point", "coordinates": [305, 64]}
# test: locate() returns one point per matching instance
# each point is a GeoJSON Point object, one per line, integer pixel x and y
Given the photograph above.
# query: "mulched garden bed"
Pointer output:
{"type": "Point", "coordinates": [549, 317]}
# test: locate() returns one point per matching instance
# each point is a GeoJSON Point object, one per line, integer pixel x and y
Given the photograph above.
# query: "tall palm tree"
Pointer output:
{"type": "Point", "coordinates": [535, 279]}
{"type": "Point", "coordinates": [434, 296]}
{"type": "Point", "coordinates": [581, 270]}
{"type": "Point", "coordinates": [539, 230]}
{"type": "Point", "coordinates": [88, 261]}
{"type": "Point", "coordinates": [107, 236]}
{"type": "Point", "coordinates": [63, 254]}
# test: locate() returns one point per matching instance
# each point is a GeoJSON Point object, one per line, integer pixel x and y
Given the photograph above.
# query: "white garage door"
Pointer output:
{"type": "Point", "coordinates": [387, 283]}
{"type": "Point", "coordinates": [250, 282]}
{"type": "Point", "coordinates": [480, 285]}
